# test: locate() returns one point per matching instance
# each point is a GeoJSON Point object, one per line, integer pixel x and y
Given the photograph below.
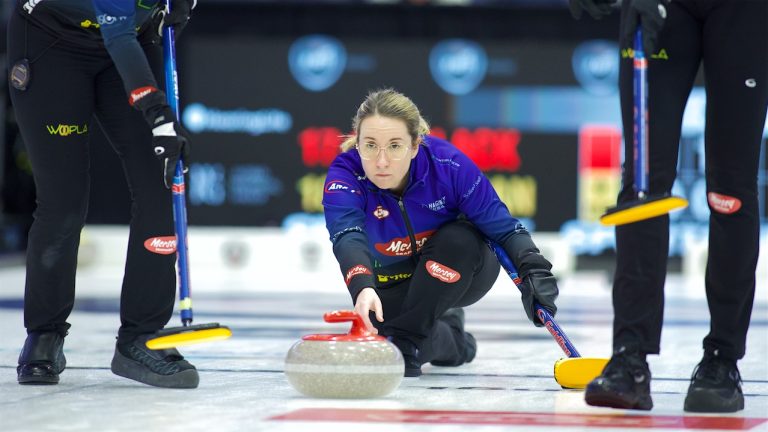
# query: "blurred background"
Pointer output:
{"type": "Point", "coordinates": [269, 87]}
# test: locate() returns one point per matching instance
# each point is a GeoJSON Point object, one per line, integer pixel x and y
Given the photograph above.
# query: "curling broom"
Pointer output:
{"type": "Point", "coordinates": [187, 334]}
{"type": "Point", "coordinates": [644, 207]}
{"type": "Point", "coordinates": [574, 372]}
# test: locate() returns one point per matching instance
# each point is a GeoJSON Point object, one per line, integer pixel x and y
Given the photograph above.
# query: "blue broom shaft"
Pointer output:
{"type": "Point", "coordinates": [640, 144]}
{"type": "Point", "coordinates": [544, 316]}
{"type": "Point", "coordinates": [178, 188]}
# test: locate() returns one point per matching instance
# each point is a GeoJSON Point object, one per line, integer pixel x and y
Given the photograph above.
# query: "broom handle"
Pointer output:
{"type": "Point", "coordinates": [178, 187]}
{"type": "Point", "coordinates": [544, 316]}
{"type": "Point", "coordinates": [640, 142]}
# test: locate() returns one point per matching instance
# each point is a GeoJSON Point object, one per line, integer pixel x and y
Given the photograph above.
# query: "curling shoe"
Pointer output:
{"type": "Point", "coordinates": [42, 358]}
{"type": "Point", "coordinates": [410, 356]}
{"type": "Point", "coordinates": [467, 343]}
{"type": "Point", "coordinates": [715, 386]}
{"type": "Point", "coordinates": [624, 383]}
{"type": "Point", "coordinates": [470, 347]}
{"type": "Point", "coordinates": [159, 368]}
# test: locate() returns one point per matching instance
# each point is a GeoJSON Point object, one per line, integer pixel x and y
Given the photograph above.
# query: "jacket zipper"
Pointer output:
{"type": "Point", "coordinates": [408, 227]}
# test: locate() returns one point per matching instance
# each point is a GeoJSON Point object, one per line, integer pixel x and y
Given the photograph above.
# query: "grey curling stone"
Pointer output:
{"type": "Point", "coordinates": [356, 365]}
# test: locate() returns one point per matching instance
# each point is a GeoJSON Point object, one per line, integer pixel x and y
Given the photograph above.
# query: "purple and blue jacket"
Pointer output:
{"type": "Point", "coordinates": [374, 231]}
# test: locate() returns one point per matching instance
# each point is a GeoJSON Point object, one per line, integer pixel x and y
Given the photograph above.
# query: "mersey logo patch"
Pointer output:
{"type": "Point", "coordinates": [380, 212]}
{"type": "Point", "coordinates": [356, 270]}
{"type": "Point", "coordinates": [442, 272]}
{"type": "Point", "coordinates": [335, 186]}
{"type": "Point", "coordinates": [161, 245]}
{"type": "Point", "coordinates": [401, 246]}
{"type": "Point", "coordinates": [723, 203]}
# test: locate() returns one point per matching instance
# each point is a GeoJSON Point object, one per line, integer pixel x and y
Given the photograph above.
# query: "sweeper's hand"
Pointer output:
{"type": "Point", "coordinates": [366, 302]}
{"type": "Point", "coordinates": [540, 286]}
{"type": "Point", "coordinates": [181, 11]}
{"type": "Point", "coordinates": [169, 140]}
{"type": "Point", "coordinates": [650, 15]}
{"type": "Point", "coordinates": [596, 8]}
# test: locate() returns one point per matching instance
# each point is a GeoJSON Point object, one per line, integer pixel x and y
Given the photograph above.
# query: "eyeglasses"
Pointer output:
{"type": "Point", "coordinates": [394, 151]}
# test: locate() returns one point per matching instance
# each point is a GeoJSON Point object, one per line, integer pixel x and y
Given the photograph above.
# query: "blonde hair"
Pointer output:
{"type": "Point", "coordinates": [392, 104]}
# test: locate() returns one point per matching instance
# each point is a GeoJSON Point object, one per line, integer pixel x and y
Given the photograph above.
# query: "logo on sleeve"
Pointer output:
{"type": "Point", "coordinates": [356, 270]}
{"type": "Point", "coordinates": [139, 93]}
{"type": "Point", "coordinates": [723, 203]}
{"type": "Point", "coordinates": [335, 186]}
{"type": "Point", "coordinates": [442, 272]}
{"type": "Point", "coordinates": [161, 245]}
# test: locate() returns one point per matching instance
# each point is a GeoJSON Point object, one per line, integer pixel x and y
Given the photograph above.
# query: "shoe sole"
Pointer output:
{"type": "Point", "coordinates": [599, 397]}
{"type": "Point", "coordinates": [42, 379]}
{"type": "Point", "coordinates": [131, 369]}
{"type": "Point", "coordinates": [38, 380]}
{"type": "Point", "coordinates": [703, 402]}
{"type": "Point", "coordinates": [412, 373]}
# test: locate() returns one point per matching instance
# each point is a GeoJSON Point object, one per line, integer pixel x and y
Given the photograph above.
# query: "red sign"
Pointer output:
{"type": "Point", "coordinates": [599, 147]}
{"type": "Point", "coordinates": [490, 149]}
{"type": "Point", "coordinates": [319, 145]}
{"type": "Point", "coordinates": [506, 418]}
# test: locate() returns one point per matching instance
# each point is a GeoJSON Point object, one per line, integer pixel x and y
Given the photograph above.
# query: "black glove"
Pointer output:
{"type": "Point", "coordinates": [596, 8]}
{"type": "Point", "coordinates": [650, 15]}
{"type": "Point", "coordinates": [181, 11]}
{"type": "Point", "coordinates": [169, 140]}
{"type": "Point", "coordinates": [539, 286]}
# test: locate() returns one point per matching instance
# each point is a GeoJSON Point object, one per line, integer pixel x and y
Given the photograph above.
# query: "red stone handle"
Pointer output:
{"type": "Point", "coordinates": [358, 326]}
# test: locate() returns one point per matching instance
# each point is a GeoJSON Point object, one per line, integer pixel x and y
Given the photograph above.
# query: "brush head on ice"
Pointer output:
{"type": "Point", "coordinates": [577, 372]}
{"type": "Point", "coordinates": [173, 337]}
{"type": "Point", "coordinates": [638, 210]}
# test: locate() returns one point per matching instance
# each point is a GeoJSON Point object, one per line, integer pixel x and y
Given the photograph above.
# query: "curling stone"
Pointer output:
{"type": "Point", "coordinates": [354, 366]}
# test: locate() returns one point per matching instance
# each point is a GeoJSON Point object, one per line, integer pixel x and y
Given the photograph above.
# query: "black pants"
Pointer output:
{"type": "Point", "coordinates": [412, 308]}
{"type": "Point", "coordinates": [71, 90]}
{"type": "Point", "coordinates": [731, 38]}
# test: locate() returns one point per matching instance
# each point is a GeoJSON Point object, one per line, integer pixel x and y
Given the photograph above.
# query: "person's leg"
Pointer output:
{"type": "Point", "coordinates": [455, 269]}
{"type": "Point", "coordinates": [149, 283]}
{"type": "Point", "coordinates": [642, 248]}
{"type": "Point", "coordinates": [53, 114]}
{"type": "Point", "coordinates": [736, 74]}
{"type": "Point", "coordinates": [449, 344]}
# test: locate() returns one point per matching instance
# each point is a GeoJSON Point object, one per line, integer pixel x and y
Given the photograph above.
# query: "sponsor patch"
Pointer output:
{"type": "Point", "coordinates": [436, 206]}
{"type": "Point", "coordinates": [442, 272]}
{"type": "Point", "coordinates": [356, 270]}
{"type": "Point", "coordinates": [380, 212]}
{"type": "Point", "coordinates": [401, 246]}
{"type": "Point", "coordinates": [336, 186]}
{"type": "Point", "coordinates": [723, 203]}
{"type": "Point", "coordinates": [139, 93]}
{"type": "Point", "coordinates": [393, 277]}
{"type": "Point", "coordinates": [161, 245]}
{"type": "Point", "coordinates": [64, 130]}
